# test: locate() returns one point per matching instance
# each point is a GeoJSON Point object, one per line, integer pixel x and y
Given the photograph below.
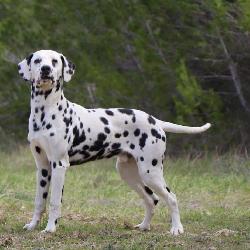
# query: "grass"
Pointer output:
{"type": "Point", "coordinates": [99, 210]}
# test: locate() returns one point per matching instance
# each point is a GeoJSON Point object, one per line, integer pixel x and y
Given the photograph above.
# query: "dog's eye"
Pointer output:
{"type": "Point", "coordinates": [54, 61]}
{"type": "Point", "coordinates": [37, 61]}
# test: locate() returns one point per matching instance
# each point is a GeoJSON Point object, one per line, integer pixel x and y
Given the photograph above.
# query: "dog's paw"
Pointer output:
{"type": "Point", "coordinates": [30, 226]}
{"type": "Point", "coordinates": [48, 230]}
{"type": "Point", "coordinates": [142, 227]}
{"type": "Point", "coordinates": [176, 230]}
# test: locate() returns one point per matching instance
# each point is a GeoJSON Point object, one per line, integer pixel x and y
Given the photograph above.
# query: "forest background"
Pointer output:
{"type": "Point", "coordinates": [182, 61]}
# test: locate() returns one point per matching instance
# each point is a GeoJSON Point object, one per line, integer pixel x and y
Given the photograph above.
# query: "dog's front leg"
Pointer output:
{"type": "Point", "coordinates": [43, 176]}
{"type": "Point", "coordinates": [57, 184]}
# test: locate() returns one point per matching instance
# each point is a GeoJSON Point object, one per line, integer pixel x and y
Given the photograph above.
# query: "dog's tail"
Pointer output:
{"type": "Point", "coordinates": [175, 128]}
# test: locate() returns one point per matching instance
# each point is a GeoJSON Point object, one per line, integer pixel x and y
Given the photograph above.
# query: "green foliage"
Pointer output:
{"type": "Point", "coordinates": [192, 103]}
{"type": "Point", "coordinates": [130, 54]}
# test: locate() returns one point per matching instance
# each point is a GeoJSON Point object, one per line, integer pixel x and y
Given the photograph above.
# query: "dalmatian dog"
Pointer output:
{"type": "Point", "coordinates": [62, 134]}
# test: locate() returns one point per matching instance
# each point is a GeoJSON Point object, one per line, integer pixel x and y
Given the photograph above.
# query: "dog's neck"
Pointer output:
{"type": "Point", "coordinates": [47, 98]}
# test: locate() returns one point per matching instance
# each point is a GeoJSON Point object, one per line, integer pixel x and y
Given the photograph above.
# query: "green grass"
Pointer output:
{"type": "Point", "coordinates": [99, 210]}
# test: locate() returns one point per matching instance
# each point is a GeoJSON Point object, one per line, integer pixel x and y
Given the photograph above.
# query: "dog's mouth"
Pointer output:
{"type": "Point", "coordinates": [45, 82]}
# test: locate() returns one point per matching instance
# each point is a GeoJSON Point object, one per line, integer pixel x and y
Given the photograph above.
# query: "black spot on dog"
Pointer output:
{"type": "Point", "coordinates": [155, 202]}
{"type": "Point", "coordinates": [163, 138]}
{"type": "Point", "coordinates": [154, 162]}
{"type": "Point", "coordinates": [117, 135]}
{"type": "Point", "coordinates": [57, 86]}
{"type": "Point", "coordinates": [125, 133]}
{"type": "Point", "coordinates": [49, 177]}
{"type": "Point", "coordinates": [52, 134]}
{"type": "Point", "coordinates": [116, 145]}
{"type": "Point", "coordinates": [142, 141]}
{"type": "Point", "coordinates": [36, 110]}
{"type": "Point", "coordinates": [107, 130]}
{"type": "Point", "coordinates": [151, 120]}
{"type": "Point", "coordinates": [155, 133]}
{"type": "Point", "coordinates": [44, 172]}
{"type": "Point", "coordinates": [104, 120]}
{"type": "Point", "coordinates": [168, 189]}
{"type": "Point", "coordinates": [38, 150]}
{"type": "Point", "coordinates": [48, 126]}
{"type": "Point", "coordinates": [32, 88]}
{"type": "Point", "coordinates": [60, 163]}
{"type": "Point", "coordinates": [113, 153]}
{"type": "Point", "coordinates": [43, 183]}
{"type": "Point", "coordinates": [35, 127]}
{"type": "Point", "coordinates": [65, 111]}
{"type": "Point", "coordinates": [126, 122]}
{"type": "Point", "coordinates": [141, 158]}
{"type": "Point", "coordinates": [126, 111]}
{"type": "Point", "coordinates": [133, 119]}
{"type": "Point", "coordinates": [67, 121]}
{"type": "Point", "coordinates": [54, 164]}
{"type": "Point", "coordinates": [60, 107]}
{"type": "Point", "coordinates": [85, 147]}
{"type": "Point", "coordinates": [98, 144]}
{"type": "Point", "coordinates": [29, 59]}
{"type": "Point", "coordinates": [137, 132]}
{"type": "Point", "coordinates": [148, 171]}
{"type": "Point", "coordinates": [148, 190]}
{"type": "Point", "coordinates": [45, 194]}
{"type": "Point", "coordinates": [78, 138]}
{"type": "Point", "coordinates": [62, 194]}
{"type": "Point", "coordinates": [100, 153]}
{"type": "Point", "coordinates": [53, 117]}
{"type": "Point", "coordinates": [132, 146]}
{"type": "Point", "coordinates": [109, 112]}
{"type": "Point", "coordinates": [89, 130]}
{"type": "Point", "coordinates": [42, 116]}
{"type": "Point", "coordinates": [56, 221]}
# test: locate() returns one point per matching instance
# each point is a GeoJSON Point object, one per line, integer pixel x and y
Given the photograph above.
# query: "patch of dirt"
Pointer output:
{"type": "Point", "coordinates": [6, 241]}
{"type": "Point", "coordinates": [203, 237]}
{"type": "Point", "coordinates": [128, 225]}
{"type": "Point", "coordinates": [225, 232]}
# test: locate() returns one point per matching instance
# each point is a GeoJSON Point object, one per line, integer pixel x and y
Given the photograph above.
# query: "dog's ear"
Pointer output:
{"type": "Point", "coordinates": [68, 69]}
{"type": "Point", "coordinates": [24, 68]}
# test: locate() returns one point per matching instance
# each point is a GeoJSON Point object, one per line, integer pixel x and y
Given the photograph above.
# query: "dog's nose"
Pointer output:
{"type": "Point", "coordinates": [45, 69]}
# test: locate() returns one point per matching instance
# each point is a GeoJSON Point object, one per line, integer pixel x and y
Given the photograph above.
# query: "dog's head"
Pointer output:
{"type": "Point", "coordinates": [44, 68]}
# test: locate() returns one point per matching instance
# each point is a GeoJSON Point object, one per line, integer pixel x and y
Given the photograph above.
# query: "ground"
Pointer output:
{"type": "Point", "coordinates": [99, 210]}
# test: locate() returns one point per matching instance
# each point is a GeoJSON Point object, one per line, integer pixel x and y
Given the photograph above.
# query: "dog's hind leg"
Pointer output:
{"type": "Point", "coordinates": [152, 176]}
{"type": "Point", "coordinates": [128, 170]}
{"type": "Point", "coordinates": [43, 179]}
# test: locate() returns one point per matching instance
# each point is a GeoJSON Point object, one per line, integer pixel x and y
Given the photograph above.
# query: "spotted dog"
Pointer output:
{"type": "Point", "coordinates": [62, 134]}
